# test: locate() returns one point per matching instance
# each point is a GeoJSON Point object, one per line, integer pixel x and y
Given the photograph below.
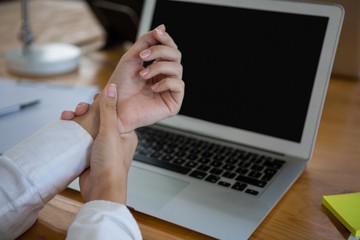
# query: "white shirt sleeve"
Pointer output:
{"type": "Point", "coordinates": [104, 220]}
{"type": "Point", "coordinates": [35, 170]}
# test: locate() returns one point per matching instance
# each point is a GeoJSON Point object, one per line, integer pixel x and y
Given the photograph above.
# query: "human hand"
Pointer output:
{"type": "Point", "coordinates": [147, 95]}
{"type": "Point", "coordinates": [111, 155]}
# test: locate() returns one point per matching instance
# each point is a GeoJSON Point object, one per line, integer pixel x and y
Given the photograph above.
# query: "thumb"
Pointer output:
{"type": "Point", "coordinates": [108, 114]}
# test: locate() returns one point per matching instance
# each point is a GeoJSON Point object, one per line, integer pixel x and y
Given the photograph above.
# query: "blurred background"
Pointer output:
{"type": "Point", "coordinates": [113, 22]}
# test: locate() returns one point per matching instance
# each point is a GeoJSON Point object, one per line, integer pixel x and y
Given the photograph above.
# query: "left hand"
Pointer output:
{"type": "Point", "coordinates": [147, 95]}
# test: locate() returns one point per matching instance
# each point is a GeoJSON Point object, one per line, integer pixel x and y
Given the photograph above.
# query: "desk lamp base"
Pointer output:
{"type": "Point", "coordinates": [43, 60]}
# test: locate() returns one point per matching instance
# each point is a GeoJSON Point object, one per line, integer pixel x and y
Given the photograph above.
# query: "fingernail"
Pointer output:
{"type": "Point", "coordinates": [155, 86]}
{"type": "Point", "coordinates": [111, 90]}
{"type": "Point", "coordinates": [159, 31]}
{"type": "Point", "coordinates": [145, 72]}
{"type": "Point", "coordinates": [146, 53]}
{"type": "Point", "coordinates": [79, 105]}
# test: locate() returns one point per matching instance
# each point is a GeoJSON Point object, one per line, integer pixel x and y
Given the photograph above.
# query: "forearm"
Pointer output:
{"type": "Point", "coordinates": [34, 171]}
{"type": "Point", "coordinates": [19, 200]}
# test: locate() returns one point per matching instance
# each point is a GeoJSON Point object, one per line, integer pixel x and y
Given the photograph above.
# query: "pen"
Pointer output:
{"type": "Point", "coordinates": [17, 107]}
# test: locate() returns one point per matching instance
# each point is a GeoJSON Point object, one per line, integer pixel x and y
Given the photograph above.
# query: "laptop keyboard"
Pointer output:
{"type": "Point", "coordinates": [218, 164]}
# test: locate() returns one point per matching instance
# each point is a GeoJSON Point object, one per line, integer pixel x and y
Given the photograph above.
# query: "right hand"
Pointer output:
{"type": "Point", "coordinates": [111, 155]}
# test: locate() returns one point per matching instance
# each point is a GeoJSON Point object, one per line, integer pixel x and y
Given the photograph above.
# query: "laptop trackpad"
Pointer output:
{"type": "Point", "coordinates": [149, 190]}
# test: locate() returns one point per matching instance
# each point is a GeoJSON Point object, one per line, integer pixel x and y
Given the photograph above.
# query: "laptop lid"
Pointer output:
{"type": "Point", "coordinates": [256, 71]}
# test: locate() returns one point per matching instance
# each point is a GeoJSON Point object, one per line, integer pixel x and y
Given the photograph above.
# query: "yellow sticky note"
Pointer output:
{"type": "Point", "coordinates": [346, 208]}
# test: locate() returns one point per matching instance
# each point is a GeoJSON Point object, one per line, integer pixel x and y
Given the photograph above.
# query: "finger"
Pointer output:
{"type": "Point", "coordinates": [96, 95]}
{"type": "Point", "coordinates": [108, 114]}
{"type": "Point", "coordinates": [167, 68]}
{"type": "Point", "coordinates": [67, 115]}
{"type": "Point", "coordinates": [151, 38]}
{"type": "Point", "coordinates": [163, 37]}
{"type": "Point", "coordinates": [144, 42]}
{"type": "Point", "coordinates": [169, 84]}
{"type": "Point", "coordinates": [161, 52]}
{"type": "Point", "coordinates": [173, 90]}
{"type": "Point", "coordinates": [81, 108]}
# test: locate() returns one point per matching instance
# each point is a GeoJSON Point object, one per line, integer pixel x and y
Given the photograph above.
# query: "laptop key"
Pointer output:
{"type": "Point", "coordinates": [203, 168]}
{"type": "Point", "coordinates": [212, 178]}
{"type": "Point", "coordinates": [224, 184]}
{"type": "Point", "coordinates": [255, 174]}
{"type": "Point", "coordinates": [198, 174]}
{"type": "Point", "coordinates": [239, 186]}
{"type": "Point", "coordinates": [162, 164]}
{"type": "Point", "coordinates": [216, 171]}
{"type": "Point", "coordinates": [229, 175]}
{"type": "Point", "coordinates": [251, 181]}
{"type": "Point", "coordinates": [275, 164]}
{"type": "Point", "coordinates": [251, 191]}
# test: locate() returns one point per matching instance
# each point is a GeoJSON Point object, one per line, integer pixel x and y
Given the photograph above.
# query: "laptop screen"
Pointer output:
{"type": "Point", "coordinates": [259, 74]}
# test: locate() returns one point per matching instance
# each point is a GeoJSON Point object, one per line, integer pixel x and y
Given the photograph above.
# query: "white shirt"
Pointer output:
{"type": "Point", "coordinates": [35, 170]}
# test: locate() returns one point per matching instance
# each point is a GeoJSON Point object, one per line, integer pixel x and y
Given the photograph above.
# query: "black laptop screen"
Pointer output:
{"type": "Point", "coordinates": [248, 69]}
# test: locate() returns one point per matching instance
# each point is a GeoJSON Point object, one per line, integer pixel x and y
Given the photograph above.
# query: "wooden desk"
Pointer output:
{"type": "Point", "coordinates": [333, 169]}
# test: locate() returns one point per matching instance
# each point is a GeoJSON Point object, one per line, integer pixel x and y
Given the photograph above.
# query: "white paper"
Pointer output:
{"type": "Point", "coordinates": [54, 98]}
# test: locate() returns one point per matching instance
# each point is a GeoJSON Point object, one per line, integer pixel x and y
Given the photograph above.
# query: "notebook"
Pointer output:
{"type": "Point", "coordinates": [346, 208]}
{"type": "Point", "coordinates": [256, 74]}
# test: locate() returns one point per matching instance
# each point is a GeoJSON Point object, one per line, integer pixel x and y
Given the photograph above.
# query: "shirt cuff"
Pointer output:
{"type": "Point", "coordinates": [101, 219]}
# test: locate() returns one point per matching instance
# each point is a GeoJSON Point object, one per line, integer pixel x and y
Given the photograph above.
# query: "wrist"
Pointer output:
{"type": "Point", "coordinates": [109, 189]}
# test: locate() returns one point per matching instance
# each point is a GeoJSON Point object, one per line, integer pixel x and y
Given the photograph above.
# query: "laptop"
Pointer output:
{"type": "Point", "coordinates": [256, 74]}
